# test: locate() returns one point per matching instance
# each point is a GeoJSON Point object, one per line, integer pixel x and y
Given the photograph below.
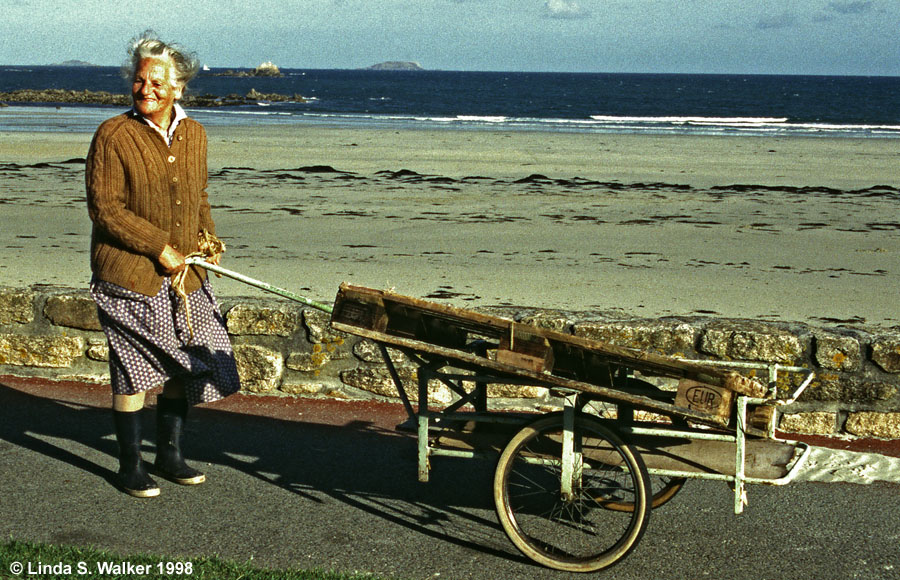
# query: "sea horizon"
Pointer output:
{"type": "Point", "coordinates": [865, 106]}
{"type": "Point", "coordinates": [451, 70]}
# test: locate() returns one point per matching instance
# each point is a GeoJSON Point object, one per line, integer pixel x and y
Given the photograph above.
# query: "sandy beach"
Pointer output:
{"type": "Point", "coordinates": [799, 229]}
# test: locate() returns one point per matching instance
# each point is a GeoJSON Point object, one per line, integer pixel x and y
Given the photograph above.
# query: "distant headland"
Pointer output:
{"type": "Point", "coordinates": [395, 65]}
{"type": "Point", "coordinates": [80, 63]}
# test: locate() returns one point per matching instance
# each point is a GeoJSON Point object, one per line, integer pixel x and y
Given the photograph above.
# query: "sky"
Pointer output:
{"type": "Point", "coordinates": [821, 37]}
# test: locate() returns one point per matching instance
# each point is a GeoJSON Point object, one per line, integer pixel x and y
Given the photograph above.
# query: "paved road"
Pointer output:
{"type": "Point", "coordinates": [331, 485]}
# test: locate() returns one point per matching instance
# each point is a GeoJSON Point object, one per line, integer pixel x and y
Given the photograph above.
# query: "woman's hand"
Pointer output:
{"type": "Point", "coordinates": [171, 260]}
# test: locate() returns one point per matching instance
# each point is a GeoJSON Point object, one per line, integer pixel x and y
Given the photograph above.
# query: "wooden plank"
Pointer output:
{"type": "Point", "coordinates": [536, 353]}
{"type": "Point", "coordinates": [531, 377]}
{"type": "Point", "coordinates": [744, 385]}
{"type": "Point", "coordinates": [497, 327]}
{"type": "Point", "coordinates": [476, 321]}
{"type": "Point", "coordinates": [765, 458]}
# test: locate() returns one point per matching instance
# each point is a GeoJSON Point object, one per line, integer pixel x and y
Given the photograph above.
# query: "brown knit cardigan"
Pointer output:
{"type": "Point", "coordinates": [143, 194]}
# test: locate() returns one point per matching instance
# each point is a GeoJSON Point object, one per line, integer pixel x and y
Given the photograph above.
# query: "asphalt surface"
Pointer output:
{"type": "Point", "coordinates": [332, 485]}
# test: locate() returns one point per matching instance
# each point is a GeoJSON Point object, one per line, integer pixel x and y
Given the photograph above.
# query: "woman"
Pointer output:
{"type": "Point", "coordinates": [146, 179]}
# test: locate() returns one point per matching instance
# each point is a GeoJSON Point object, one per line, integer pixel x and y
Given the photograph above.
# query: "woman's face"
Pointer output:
{"type": "Point", "coordinates": [154, 90]}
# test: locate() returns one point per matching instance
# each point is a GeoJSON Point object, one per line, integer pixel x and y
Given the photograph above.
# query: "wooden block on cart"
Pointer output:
{"type": "Point", "coordinates": [742, 385]}
{"type": "Point", "coordinates": [360, 309]}
{"type": "Point", "coordinates": [524, 347]}
{"type": "Point", "coordinates": [762, 417]}
{"type": "Point", "coordinates": [704, 398]}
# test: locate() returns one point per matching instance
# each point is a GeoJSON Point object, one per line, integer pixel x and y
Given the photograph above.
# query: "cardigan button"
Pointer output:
{"type": "Point", "coordinates": [175, 179]}
{"type": "Point", "coordinates": [171, 159]}
{"type": "Point", "coordinates": [181, 137]}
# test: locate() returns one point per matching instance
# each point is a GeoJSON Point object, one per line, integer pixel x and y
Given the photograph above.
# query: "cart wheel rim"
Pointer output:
{"type": "Point", "coordinates": [540, 521]}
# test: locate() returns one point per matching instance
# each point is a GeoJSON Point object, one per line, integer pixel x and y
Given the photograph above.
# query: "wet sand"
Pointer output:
{"type": "Point", "coordinates": [798, 229]}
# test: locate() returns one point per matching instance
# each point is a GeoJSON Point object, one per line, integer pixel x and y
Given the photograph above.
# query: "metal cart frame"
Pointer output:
{"type": "Point", "coordinates": [560, 469]}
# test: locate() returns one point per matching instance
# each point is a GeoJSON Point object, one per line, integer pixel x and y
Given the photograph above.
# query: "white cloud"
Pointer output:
{"type": "Point", "coordinates": [565, 9]}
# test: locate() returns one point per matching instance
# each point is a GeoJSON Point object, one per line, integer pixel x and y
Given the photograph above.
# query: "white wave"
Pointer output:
{"type": "Point", "coordinates": [693, 120]}
{"type": "Point", "coordinates": [261, 113]}
{"type": "Point", "coordinates": [481, 119]}
{"type": "Point", "coordinates": [834, 127]}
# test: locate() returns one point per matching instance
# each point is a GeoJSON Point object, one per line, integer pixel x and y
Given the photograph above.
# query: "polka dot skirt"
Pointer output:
{"type": "Point", "coordinates": [149, 341]}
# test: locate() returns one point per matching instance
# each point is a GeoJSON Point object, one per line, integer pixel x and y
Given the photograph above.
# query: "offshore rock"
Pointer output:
{"type": "Point", "coordinates": [266, 69]}
{"type": "Point", "coordinates": [65, 96]}
{"type": "Point", "coordinates": [86, 97]}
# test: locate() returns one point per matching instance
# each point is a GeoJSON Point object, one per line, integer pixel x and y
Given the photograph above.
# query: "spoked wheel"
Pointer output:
{"type": "Point", "coordinates": [568, 527]}
{"type": "Point", "coordinates": [662, 487]}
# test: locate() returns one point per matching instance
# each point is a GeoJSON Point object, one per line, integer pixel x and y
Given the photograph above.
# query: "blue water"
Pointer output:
{"type": "Point", "coordinates": [562, 102]}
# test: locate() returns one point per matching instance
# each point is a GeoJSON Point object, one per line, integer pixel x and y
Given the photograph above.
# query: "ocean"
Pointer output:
{"type": "Point", "coordinates": [749, 105]}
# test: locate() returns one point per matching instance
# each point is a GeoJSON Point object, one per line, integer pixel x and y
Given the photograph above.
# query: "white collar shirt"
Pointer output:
{"type": "Point", "coordinates": [169, 135]}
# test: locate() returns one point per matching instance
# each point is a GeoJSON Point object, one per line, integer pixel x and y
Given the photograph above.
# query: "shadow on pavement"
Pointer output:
{"type": "Point", "coordinates": [364, 464]}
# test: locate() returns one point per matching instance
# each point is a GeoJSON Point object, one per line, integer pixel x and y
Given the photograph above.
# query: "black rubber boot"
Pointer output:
{"type": "Point", "coordinates": [132, 476]}
{"type": "Point", "coordinates": [170, 416]}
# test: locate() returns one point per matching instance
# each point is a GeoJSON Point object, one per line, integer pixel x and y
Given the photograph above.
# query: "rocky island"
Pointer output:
{"type": "Point", "coordinates": [266, 69]}
{"type": "Point", "coordinates": [106, 98]}
{"type": "Point", "coordinates": [395, 65]}
{"type": "Point", "coordinates": [78, 63]}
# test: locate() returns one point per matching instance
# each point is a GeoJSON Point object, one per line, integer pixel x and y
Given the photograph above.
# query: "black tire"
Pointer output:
{"type": "Point", "coordinates": [576, 534]}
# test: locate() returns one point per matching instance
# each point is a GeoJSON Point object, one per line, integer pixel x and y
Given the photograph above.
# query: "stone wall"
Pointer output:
{"type": "Point", "coordinates": [283, 348]}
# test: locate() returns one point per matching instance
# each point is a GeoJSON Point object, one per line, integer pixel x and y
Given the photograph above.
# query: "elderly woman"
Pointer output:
{"type": "Point", "coordinates": [146, 179]}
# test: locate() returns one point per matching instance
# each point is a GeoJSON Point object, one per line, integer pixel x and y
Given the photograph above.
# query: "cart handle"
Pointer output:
{"type": "Point", "coordinates": [199, 261]}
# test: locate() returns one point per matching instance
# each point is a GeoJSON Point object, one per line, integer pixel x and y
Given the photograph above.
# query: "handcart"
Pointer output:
{"type": "Point", "coordinates": [573, 486]}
